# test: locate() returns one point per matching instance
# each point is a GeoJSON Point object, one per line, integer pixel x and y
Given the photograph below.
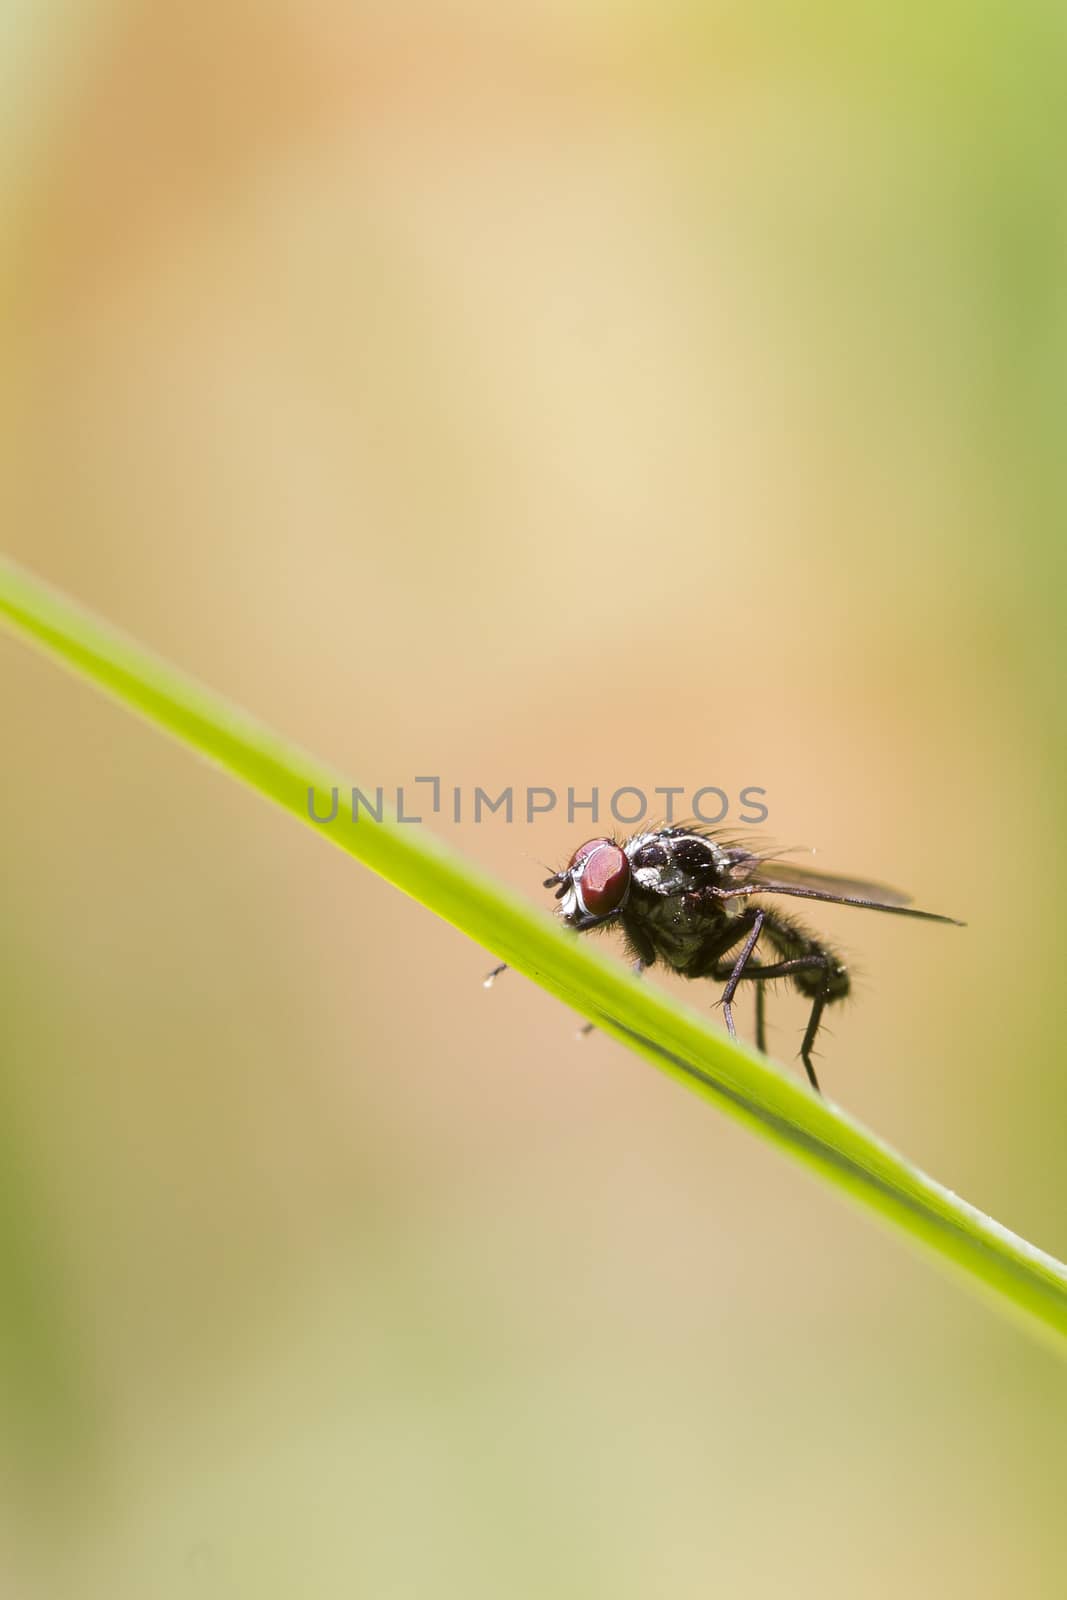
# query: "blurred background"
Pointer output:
{"type": "Point", "coordinates": [632, 394]}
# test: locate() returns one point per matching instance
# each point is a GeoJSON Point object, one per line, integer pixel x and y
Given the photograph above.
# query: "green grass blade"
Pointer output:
{"type": "Point", "coordinates": [1015, 1274]}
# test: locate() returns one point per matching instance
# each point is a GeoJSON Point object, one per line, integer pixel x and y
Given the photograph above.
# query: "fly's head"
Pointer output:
{"type": "Point", "coordinates": [595, 884]}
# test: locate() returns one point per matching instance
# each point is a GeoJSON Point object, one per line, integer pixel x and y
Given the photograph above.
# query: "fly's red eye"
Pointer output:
{"type": "Point", "coordinates": [605, 878]}
{"type": "Point", "coordinates": [583, 851]}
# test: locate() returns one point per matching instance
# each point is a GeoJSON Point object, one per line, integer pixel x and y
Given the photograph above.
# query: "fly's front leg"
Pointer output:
{"type": "Point", "coordinates": [639, 966]}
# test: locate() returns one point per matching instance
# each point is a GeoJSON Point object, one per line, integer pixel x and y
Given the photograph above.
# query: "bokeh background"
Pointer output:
{"type": "Point", "coordinates": [588, 394]}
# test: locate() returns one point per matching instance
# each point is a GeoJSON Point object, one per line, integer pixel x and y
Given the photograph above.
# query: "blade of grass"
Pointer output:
{"type": "Point", "coordinates": [1013, 1273]}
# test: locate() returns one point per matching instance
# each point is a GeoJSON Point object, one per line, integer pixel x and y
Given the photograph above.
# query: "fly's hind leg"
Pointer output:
{"type": "Point", "coordinates": [826, 967]}
{"type": "Point", "coordinates": [816, 964]}
{"type": "Point", "coordinates": [817, 1007]}
{"type": "Point", "coordinates": [818, 974]}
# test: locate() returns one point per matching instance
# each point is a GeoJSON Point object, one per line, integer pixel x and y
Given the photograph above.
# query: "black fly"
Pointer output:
{"type": "Point", "coordinates": [686, 897]}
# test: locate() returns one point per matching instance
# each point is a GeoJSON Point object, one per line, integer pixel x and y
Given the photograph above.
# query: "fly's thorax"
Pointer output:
{"type": "Point", "coordinates": [673, 924]}
{"type": "Point", "coordinates": [675, 919]}
{"type": "Point", "coordinates": [671, 864]}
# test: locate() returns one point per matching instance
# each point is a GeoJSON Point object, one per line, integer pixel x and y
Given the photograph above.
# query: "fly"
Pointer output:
{"type": "Point", "coordinates": [687, 897]}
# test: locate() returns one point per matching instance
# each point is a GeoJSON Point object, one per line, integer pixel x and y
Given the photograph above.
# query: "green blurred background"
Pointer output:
{"type": "Point", "coordinates": [537, 395]}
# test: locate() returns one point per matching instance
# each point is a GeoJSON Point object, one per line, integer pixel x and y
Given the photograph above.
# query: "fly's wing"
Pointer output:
{"type": "Point", "coordinates": [750, 873]}
{"type": "Point", "coordinates": [771, 870]}
{"type": "Point", "coordinates": [741, 863]}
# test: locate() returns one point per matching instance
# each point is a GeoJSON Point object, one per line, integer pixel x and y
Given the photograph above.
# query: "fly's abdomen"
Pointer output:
{"type": "Point", "coordinates": [827, 975]}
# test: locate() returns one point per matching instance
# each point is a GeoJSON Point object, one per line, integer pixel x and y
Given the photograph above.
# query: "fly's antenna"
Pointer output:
{"type": "Point", "coordinates": [528, 857]}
